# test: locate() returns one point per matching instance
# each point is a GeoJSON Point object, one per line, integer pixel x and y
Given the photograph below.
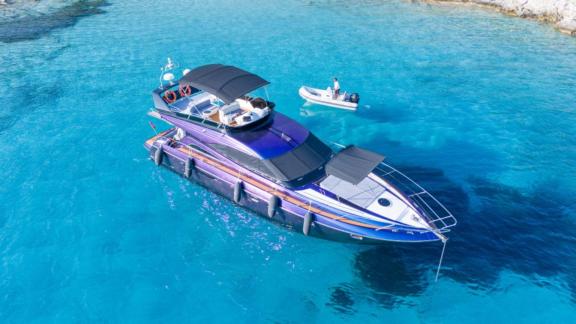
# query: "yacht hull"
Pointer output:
{"type": "Point", "coordinates": [259, 196]}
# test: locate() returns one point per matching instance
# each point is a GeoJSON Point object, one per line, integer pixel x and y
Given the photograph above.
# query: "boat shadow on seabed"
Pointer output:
{"type": "Point", "coordinates": [507, 231]}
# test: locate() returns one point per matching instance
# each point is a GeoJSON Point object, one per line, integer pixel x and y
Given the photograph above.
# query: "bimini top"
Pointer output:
{"type": "Point", "coordinates": [353, 164]}
{"type": "Point", "coordinates": [224, 81]}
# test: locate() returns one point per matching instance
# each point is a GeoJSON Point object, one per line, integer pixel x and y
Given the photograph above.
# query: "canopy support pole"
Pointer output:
{"type": "Point", "coordinates": [266, 92]}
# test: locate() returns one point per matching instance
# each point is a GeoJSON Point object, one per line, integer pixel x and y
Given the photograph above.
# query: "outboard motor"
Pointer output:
{"type": "Point", "coordinates": [354, 98]}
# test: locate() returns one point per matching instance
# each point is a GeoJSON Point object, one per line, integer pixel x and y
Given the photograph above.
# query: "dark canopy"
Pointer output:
{"type": "Point", "coordinates": [300, 161]}
{"type": "Point", "coordinates": [296, 167]}
{"type": "Point", "coordinates": [224, 81]}
{"type": "Point", "coordinates": [353, 164]}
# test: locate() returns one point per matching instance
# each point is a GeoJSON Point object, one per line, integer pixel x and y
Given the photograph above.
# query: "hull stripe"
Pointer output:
{"type": "Point", "coordinates": [265, 187]}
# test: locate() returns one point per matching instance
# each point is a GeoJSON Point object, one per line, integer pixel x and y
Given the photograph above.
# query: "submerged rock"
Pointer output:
{"type": "Point", "coordinates": [560, 13]}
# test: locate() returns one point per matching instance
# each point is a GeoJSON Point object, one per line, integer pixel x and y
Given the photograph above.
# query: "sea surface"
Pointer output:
{"type": "Point", "coordinates": [478, 107]}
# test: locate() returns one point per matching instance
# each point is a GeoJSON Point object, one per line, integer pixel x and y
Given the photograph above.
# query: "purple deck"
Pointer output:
{"type": "Point", "coordinates": [281, 136]}
{"type": "Point", "coordinates": [268, 141]}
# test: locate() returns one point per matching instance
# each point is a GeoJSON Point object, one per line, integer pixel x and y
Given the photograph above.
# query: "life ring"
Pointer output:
{"type": "Point", "coordinates": [185, 90]}
{"type": "Point", "coordinates": [170, 96]}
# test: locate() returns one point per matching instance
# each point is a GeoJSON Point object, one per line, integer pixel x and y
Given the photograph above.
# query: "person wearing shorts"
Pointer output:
{"type": "Point", "coordinates": [336, 88]}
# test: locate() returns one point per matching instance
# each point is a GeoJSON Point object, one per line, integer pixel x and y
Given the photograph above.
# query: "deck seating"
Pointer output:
{"type": "Point", "coordinates": [227, 113]}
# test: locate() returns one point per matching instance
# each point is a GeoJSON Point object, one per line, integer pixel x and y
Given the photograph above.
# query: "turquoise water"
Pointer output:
{"type": "Point", "coordinates": [478, 107]}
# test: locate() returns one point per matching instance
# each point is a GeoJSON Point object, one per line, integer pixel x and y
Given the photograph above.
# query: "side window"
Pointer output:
{"type": "Point", "coordinates": [242, 159]}
{"type": "Point", "coordinates": [199, 149]}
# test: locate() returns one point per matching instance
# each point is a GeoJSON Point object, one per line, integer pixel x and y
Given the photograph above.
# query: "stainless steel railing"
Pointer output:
{"type": "Point", "coordinates": [433, 210]}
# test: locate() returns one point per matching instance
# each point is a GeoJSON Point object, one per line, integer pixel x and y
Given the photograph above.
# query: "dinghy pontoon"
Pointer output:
{"type": "Point", "coordinates": [348, 101]}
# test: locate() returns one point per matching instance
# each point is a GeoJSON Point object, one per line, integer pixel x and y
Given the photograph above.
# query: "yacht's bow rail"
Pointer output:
{"type": "Point", "coordinates": [435, 212]}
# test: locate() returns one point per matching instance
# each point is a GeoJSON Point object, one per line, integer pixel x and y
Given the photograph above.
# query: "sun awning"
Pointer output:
{"type": "Point", "coordinates": [224, 81]}
{"type": "Point", "coordinates": [353, 164]}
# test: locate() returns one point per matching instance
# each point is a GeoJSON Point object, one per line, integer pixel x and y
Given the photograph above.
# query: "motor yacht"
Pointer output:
{"type": "Point", "coordinates": [228, 139]}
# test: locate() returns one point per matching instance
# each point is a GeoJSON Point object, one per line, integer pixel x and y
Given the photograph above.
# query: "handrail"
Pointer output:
{"type": "Point", "coordinates": [433, 210]}
{"type": "Point", "coordinates": [436, 214]}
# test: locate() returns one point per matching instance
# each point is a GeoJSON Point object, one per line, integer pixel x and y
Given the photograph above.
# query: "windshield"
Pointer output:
{"type": "Point", "coordinates": [302, 164]}
{"type": "Point", "coordinates": [297, 167]}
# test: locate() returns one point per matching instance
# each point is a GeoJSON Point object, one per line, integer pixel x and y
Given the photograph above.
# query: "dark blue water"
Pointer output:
{"type": "Point", "coordinates": [478, 107]}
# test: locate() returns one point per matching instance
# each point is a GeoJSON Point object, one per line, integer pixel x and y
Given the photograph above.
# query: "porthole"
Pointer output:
{"type": "Point", "coordinates": [384, 202]}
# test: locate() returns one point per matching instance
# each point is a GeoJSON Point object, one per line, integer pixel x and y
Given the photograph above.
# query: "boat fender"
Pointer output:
{"type": "Point", "coordinates": [159, 155]}
{"type": "Point", "coordinates": [188, 166]}
{"type": "Point", "coordinates": [273, 204]}
{"type": "Point", "coordinates": [308, 219]}
{"type": "Point", "coordinates": [238, 189]}
{"type": "Point", "coordinates": [170, 96]}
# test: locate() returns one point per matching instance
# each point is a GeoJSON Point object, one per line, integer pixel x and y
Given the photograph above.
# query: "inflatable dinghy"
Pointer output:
{"type": "Point", "coordinates": [348, 101]}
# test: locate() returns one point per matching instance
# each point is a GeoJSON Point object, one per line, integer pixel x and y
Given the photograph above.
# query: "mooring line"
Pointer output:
{"type": "Point", "coordinates": [441, 258]}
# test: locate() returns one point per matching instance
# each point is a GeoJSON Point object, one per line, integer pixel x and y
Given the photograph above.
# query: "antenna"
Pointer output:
{"type": "Point", "coordinates": [169, 66]}
{"type": "Point", "coordinates": [164, 75]}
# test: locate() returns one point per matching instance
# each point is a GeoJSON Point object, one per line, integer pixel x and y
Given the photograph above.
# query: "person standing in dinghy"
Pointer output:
{"type": "Point", "coordinates": [336, 88]}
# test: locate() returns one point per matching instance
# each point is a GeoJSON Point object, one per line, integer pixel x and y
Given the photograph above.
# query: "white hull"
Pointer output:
{"type": "Point", "coordinates": [325, 98]}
